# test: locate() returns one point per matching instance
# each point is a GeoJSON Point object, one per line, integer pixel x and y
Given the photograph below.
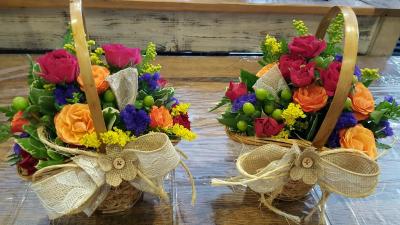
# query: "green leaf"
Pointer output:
{"type": "Point", "coordinates": [5, 132]}
{"type": "Point", "coordinates": [55, 155]}
{"type": "Point", "coordinates": [47, 105]}
{"type": "Point", "coordinates": [221, 103]}
{"type": "Point", "coordinates": [380, 145]}
{"type": "Point", "coordinates": [13, 159]}
{"type": "Point", "coordinates": [110, 117]}
{"type": "Point", "coordinates": [45, 163]}
{"type": "Point", "coordinates": [313, 128]}
{"type": "Point", "coordinates": [33, 147]}
{"type": "Point", "coordinates": [248, 78]}
{"type": "Point", "coordinates": [228, 119]}
{"type": "Point", "coordinates": [376, 116]}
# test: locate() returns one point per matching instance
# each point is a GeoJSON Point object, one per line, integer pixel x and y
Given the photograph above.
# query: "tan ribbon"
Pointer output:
{"type": "Point", "coordinates": [268, 168]}
{"type": "Point", "coordinates": [82, 185]}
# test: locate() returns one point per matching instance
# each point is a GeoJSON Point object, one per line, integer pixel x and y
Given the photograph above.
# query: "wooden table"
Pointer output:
{"type": "Point", "coordinates": [201, 81]}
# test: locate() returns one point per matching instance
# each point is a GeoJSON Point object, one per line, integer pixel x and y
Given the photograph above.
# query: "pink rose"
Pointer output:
{"type": "Point", "coordinates": [58, 66]}
{"type": "Point", "coordinates": [307, 46]}
{"type": "Point", "coordinates": [236, 90]}
{"type": "Point", "coordinates": [330, 77]}
{"type": "Point", "coordinates": [267, 127]}
{"type": "Point", "coordinates": [288, 61]}
{"type": "Point", "coordinates": [118, 55]}
{"type": "Point", "coordinates": [303, 75]}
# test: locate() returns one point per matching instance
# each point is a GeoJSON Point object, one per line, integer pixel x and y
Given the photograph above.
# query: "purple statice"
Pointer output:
{"type": "Point", "coordinates": [390, 99]}
{"type": "Point", "coordinates": [68, 93]}
{"type": "Point", "coordinates": [176, 101]}
{"type": "Point", "coordinates": [135, 120]}
{"type": "Point", "coordinates": [17, 149]}
{"type": "Point", "coordinates": [239, 102]}
{"type": "Point", "coordinates": [24, 135]}
{"type": "Point", "coordinates": [345, 120]}
{"type": "Point", "coordinates": [386, 129]}
{"type": "Point", "coordinates": [151, 81]}
{"type": "Point", "coordinates": [357, 70]}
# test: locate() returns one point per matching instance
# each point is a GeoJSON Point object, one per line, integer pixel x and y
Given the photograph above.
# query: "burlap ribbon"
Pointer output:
{"type": "Point", "coordinates": [82, 185]}
{"type": "Point", "coordinates": [268, 168]}
{"type": "Point", "coordinates": [272, 81]}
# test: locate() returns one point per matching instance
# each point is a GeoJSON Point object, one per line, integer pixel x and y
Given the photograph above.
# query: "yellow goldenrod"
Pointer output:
{"type": "Point", "coordinates": [272, 44]}
{"type": "Point", "coordinates": [292, 113]}
{"type": "Point", "coordinates": [183, 132]}
{"type": "Point", "coordinates": [179, 109]}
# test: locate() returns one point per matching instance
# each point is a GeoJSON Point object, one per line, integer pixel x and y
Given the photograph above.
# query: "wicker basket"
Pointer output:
{"type": "Point", "coordinates": [295, 190]}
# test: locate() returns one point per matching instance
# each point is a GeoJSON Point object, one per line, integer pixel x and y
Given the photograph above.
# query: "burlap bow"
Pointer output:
{"type": "Point", "coordinates": [268, 168]}
{"type": "Point", "coordinates": [82, 185]}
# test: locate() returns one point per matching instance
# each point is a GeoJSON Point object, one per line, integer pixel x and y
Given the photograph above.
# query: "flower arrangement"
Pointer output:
{"type": "Point", "coordinates": [289, 96]}
{"type": "Point", "coordinates": [135, 100]}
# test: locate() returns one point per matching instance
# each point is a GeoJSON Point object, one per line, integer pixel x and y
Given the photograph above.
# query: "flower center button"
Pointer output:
{"type": "Point", "coordinates": [118, 163]}
{"type": "Point", "coordinates": [307, 162]}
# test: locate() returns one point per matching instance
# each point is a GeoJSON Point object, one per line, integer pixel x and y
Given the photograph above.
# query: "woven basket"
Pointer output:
{"type": "Point", "coordinates": [295, 190]}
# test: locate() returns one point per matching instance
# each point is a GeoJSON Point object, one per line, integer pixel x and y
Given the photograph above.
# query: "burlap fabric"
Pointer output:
{"type": "Point", "coordinates": [268, 168]}
{"type": "Point", "coordinates": [82, 185]}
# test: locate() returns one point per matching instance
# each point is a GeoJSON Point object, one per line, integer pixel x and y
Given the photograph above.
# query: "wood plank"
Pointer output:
{"type": "Point", "coordinates": [241, 6]}
{"type": "Point", "coordinates": [387, 35]}
{"type": "Point", "coordinates": [36, 29]}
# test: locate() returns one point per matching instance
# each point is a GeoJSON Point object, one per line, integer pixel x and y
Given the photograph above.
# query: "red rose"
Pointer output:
{"type": "Point", "coordinates": [18, 122]}
{"type": "Point", "coordinates": [118, 55]}
{"type": "Point", "coordinates": [28, 163]}
{"type": "Point", "coordinates": [58, 66]}
{"type": "Point", "coordinates": [307, 46]}
{"type": "Point", "coordinates": [288, 61]}
{"type": "Point", "coordinates": [162, 82]}
{"type": "Point", "coordinates": [330, 77]}
{"type": "Point", "coordinates": [267, 127]}
{"type": "Point", "coordinates": [183, 120]}
{"type": "Point", "coordinates": [236, 90]}
{"type": "Point", "coordinates": [302, 75]}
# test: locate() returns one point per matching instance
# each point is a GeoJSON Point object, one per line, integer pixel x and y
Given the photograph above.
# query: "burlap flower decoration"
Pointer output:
{"type": "Point", "coordinates": [306, 167]}
{"type": "Point", "coordinates": [118, 165]}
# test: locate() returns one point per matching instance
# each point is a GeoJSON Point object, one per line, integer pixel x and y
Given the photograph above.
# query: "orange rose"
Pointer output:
{"type": "Point", "coordinates": [311, 98]}
{"type": "Point", "coordinates": [359, 138]}
{"type": "Point", "coordinates": [265, 69]}
{"type": "Point", "coordinates": [99, 74]}
{"type": "Point", "coordinates": [18, 121]}
{"type": "Point", "coordinates": [160, 117]}
{"type": "Point", "coordinates": [73, 122]}
{"type": "Point", "coordinates": [363, 102]}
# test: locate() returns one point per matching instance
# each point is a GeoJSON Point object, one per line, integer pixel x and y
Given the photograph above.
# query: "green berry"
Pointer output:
{"type": "Point", "coordinates": [109, 96]}
{"type": "Point", "coordinates": [138, 104]}
{"type": "Point", "coordinates": [241, 125]}
{"type": "Point", "coordinates": [19, 103]}
{"type": "Point", "coordinates": [319, 61]}
{"type": "Point", "coordinates": [148, 101]}
{"type": "Point", "coordinates": [286, 94]}
{"type": "Point", "coordinates": [277, 114]}
{"type": "Point", "coordinates": [269, 108]}
{"type": "Point", "coordinates": [261, 94]}
{"type": "Point", "coordinates": [348, 104]}
{"type": "Point", "coordinates": [108, 104]}
{"type": "Point", "coordinates": [248, 108]}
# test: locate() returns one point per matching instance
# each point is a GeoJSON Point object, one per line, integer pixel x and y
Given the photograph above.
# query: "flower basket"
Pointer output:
{"type": "Point", "coordinates": [75, 143]}
{"type": "Point", "coordinates": [331, 107]}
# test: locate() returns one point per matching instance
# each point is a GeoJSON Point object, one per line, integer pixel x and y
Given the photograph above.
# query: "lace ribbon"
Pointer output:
{"type": "Point", "coordinates": [268, 168]}
{"type": "Point", "coordinates": [83, 184]}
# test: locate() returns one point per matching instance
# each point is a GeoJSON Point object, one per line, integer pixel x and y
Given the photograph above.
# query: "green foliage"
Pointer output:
{"type": "Point", "coordinates": [34, 69]}
{"type": "Point", "coordinates": [385, 111]}
{"type": "Point", "coordinates": [111, 117]}
{"type": "Point", "coordinates": [300, 27]}
{"type": "Point", "coordinates": [335, 30]}
{"type": "Point", "coordinates": [33, 147]}
{"type": "Point", "coordinates": [68, 38]}
{"type": "Point", "coordinates": [369, 75]}
{"type": "Point", "coordinates": [5, 132]}
{"type": "Point", "coordinates": [228, 119]}
{"type": "Point", "coordinates": [225, 100]}
{"type": "Point", "coordinates": [150, 55]}
{"type": "Point", "coordinates": [248, 78]}
{"type": "Point", "coordinates": [44, 99]}
{"type": "Point", "coordinates": [272, 50]}
{"type": "Point", "coordinates": [50, 162]}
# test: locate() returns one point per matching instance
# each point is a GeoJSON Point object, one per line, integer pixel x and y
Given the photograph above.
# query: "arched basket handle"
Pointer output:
{"type": "Point", "coordinates": [82, 53]}
{"type": "Point", "coordinates": [350, 50]}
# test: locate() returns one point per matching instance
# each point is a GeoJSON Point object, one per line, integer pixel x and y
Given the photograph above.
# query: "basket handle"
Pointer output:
{"type": "Point", "coordinates": [346, 71]}
{"type": "Point", "coordinates": [82, 53]}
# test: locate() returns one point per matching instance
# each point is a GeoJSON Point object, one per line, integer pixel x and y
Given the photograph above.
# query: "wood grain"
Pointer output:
{"type": "Point", "coordinates": [211, 155]}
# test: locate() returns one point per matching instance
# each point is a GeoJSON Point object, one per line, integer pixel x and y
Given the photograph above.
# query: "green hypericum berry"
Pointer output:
{"type": "Point", "coordinates": [109, 96]}
{"type": "Point", "coordinates": [261, 94]}
{"type": "Point", "coordinates": [269, 108]}
{"type": "Point", "coordinates": [20, 103]}
{"type": "Point", "coordinates": [241, 125]}
{"type": "Point", "coordinates": [138, 104]}
{"type": "Point", "coordinates": [348, 104]}
{"type": "Point", "coordinates": [286, 94]}
{"type": "Point", "coordinates": [248, 108]}
{"type": "Point", "coordinates": [148, 100]}
{"type": "Point", "coordinates": [277, 114]}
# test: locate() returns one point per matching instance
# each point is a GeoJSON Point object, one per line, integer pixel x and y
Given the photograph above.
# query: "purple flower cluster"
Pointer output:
{"type": "Point", "coordinates": [345, 120]}
{"type": "Point", "coordinates": [357, 70]}
{"type": "Point", "coordinates": [239, 102]}
{"type": "Point", "coordinates": [151, 81]}
{"type": "Point", "coordinates": [66, 92]}
{"type": "Point", "coordinates": [135, 120]}
{"type": "Point", "coordinates": [386, 129]}
{"type": "Point", "coordinates": [390, 99]}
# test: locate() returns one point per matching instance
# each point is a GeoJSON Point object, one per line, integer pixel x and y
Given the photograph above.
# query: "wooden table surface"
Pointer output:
{"type": "Point", "coordinates": [211, 155]}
